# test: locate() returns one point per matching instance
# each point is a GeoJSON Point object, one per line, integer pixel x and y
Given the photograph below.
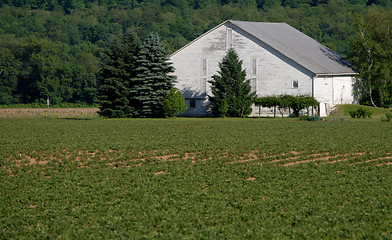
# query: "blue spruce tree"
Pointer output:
{"type": "Point", "coordinates": [153, 81]}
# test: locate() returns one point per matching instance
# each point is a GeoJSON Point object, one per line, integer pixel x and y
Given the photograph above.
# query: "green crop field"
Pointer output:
{"type": "Point", "coordinates": [93, 178]}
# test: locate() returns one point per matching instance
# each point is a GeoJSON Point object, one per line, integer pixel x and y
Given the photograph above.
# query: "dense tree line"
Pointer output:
{"type": "Point", "coordinates": [33, 69]}
{"type": "Point", "coordinates": [137, 80]}
{"type": "Point", "coordinates": [54, 48]}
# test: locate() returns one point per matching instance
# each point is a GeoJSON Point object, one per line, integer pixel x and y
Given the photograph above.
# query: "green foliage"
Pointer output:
{"type": "Point", "coordinates": [304, 102]}
{"type": "Point", "coordinates": [353, 114]}
{"type": "Point", "coordinates": [361, 113]}
{"type": "Point", "coordinates": [232, 96]}
{"type": "Point", "coordinates": [194, 178]}
{"type": "Point", "coordinates": [9, 69]}
{"type": "Point", "coordinates": [116, 79]}
{"type": "Point", "coordinates": [152, 82]}
{"type": "Point", "coordinates": [135, 80]}
{"type": "Point", "coordinates": [268, 102]}
{"type": "Point", "coordinates": [343, 111]}
{"type": "Point", "coordinates": [388, 117]}
{"type": "Point", "coordinates": [283, 102]}
{"type": "Point", "coordinates": [174, 103]}
{"type": "Point", "coordinates": [77, 33]}
{"type": "Point", "coordinates": [309, 118]}
{"type": "Point", "coordinates": [371, 54]}
{"type": "Point", "coordinates": [34, 69]}
{"type": "Point", "coordinates": [306, 118]}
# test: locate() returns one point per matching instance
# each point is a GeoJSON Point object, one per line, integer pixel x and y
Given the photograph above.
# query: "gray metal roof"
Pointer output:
{"type": "Point", "coordinates": [297, 46]}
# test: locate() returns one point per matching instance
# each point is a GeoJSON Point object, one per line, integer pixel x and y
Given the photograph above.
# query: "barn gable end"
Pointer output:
{"type": "Point", "coordinates": [274, 67]}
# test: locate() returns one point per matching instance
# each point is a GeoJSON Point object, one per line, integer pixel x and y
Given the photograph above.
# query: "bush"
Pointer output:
{"type": "Point", "coordinates": [309, 118]}
{"type": "Point", "coordinates": [388, 117]}
{"type": "Point", "coordinates": [361, 113]}
{"type": "Point", "coordinates": [174, 104]}
{"type": "Point", "coordinates": [353, 113]}
{"type": "Point", "coordinates": [306, 118]}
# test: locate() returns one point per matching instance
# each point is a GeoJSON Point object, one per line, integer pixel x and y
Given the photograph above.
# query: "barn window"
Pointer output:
{"type": "Point", "coordinates": [253, 84]}
{"type": "Point", "coordinates": [294, 84]}
{"type": "Point", "coordinates": [254, 66]}
{"type": "Point", "coordinates": [192, 103]}
{"type": "Point", "coordinates": [229, 38]}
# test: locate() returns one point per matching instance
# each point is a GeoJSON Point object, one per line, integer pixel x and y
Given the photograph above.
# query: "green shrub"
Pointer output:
{"type": "Point", "coordinates": [361, 113]}
{"type": "Point", "coordinates": [174, 104]}
{"type": "Point", "coordinates": [305, 118]}
{"type": "Point", "coordinates": [353, 113]}
{"type": "Point", "coordinates": [388, 117]}
{"type": "Point", "coordinates": [309, 118]}
{"type": "Point", "coordinates": [369, 113]}
{"type": "Point", "coordinates": [296, 103]}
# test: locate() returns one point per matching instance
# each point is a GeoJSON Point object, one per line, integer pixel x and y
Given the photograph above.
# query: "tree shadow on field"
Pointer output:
{"type": "Point", "coordinates": [76, 118]}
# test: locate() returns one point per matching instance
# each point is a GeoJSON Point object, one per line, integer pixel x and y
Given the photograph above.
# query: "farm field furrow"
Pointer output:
{"type": "Point", "coordinates": [194, 178]}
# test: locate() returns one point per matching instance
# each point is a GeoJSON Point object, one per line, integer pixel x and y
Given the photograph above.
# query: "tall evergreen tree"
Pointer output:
{"type": "Point", "coordinates": [232, 96]}
{"type": "Point", "coordinates": [153, 81]}
{"type": "Point", "coordinates": [115, 78]}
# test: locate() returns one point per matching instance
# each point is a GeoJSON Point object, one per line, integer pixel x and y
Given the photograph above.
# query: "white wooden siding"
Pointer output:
{"type": "Point", "coordinates": [332, 90]}
{"type": "Point", "coordinates": [270, 72]}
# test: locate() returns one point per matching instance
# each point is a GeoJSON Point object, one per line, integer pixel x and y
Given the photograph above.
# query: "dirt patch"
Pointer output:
{"type": "Point", "coordinates": [387, 163]}
{"type": "Point", "coordinates": [375, 159]}
{"type": "Point", "coordinates": [167, 158]}
{"type": "Point", "coordinates": [325, 159]}
{"type": "Point", "coordinates": [251, 156]}
{"type": "Point", "coordinates": [125, 158]}
{"type": "Point", "coordinates": [190, 156]}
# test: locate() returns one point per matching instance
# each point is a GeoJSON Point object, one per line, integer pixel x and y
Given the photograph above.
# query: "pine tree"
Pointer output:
{"type": "Point", "coordinates": [115, 78]}
{"type": "Point", "coordinates": [232, 96]}
{"type": "Point", "coordinates": [152, 83]}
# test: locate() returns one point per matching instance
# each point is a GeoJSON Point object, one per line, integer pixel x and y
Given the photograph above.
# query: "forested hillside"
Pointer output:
{"type": "Point", "coordinates": [53, 48]}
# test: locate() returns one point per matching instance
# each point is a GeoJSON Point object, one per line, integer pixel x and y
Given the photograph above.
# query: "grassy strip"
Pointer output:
{"type": "Point", "coordinates": [43, 105]}
{"type": "Point", "coordinates": [51, 112]}
{"type": "Point", "coordinates": [343, 111]}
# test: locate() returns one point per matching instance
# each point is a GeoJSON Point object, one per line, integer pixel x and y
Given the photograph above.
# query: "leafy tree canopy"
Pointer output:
{"type": "Point", "coordinates": [295, 103]}
{"type": "Point", "coordinates": [371, 54]}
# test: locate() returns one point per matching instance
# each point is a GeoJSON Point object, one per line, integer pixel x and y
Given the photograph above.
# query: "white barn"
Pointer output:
{"type": "Point", "coordinates": [278, 59]}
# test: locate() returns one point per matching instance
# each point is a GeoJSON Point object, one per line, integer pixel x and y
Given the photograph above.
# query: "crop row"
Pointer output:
{"type": "Point", "coordinates": [124, 158]}
{"type": "Point", "coordinates": [194, 178]}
